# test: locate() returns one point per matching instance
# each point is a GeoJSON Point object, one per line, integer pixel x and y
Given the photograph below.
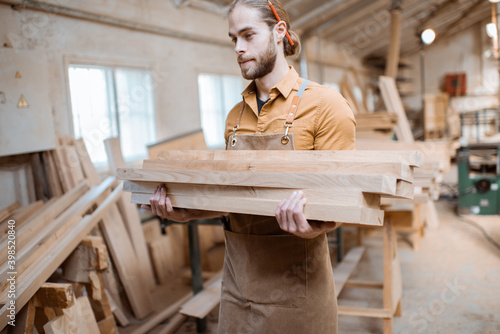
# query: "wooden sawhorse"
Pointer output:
{"type": "Point", "coordinates": [392, 284]}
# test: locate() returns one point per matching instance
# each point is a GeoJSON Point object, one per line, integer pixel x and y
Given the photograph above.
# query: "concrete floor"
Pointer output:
{"type": "Point", "coordinates": [451, 285]}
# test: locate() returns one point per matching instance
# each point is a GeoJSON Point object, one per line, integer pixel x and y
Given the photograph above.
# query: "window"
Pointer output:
{"type": "Point", "coordinates": [218, 95]}
{"type": "Point", "coordinates": [109, 102]}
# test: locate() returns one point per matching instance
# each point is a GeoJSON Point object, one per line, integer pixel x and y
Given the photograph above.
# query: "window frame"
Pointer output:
{"type": "Point", "coordinates": [113, 63]}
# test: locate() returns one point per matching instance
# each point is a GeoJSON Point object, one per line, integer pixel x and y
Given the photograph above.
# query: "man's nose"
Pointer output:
{"type": "Point", "coordinates": [240, 47]}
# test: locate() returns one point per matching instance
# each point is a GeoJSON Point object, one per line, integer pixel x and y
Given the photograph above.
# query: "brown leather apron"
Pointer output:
{"type": "Point", "coordinates": [274, 281]}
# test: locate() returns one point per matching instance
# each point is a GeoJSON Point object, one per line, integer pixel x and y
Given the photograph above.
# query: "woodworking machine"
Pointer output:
{"type": "Point", "coordinates": [479, 179]}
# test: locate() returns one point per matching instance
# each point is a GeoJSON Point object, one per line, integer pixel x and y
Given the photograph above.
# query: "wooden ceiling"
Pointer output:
{"type": "Point", "coordinates": [364, 25]}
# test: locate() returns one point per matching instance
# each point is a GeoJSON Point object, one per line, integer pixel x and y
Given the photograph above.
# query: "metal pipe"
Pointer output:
{"type": "Point", "coordinates": [86, 16]}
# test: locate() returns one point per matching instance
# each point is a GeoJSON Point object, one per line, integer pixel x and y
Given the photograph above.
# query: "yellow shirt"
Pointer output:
{"type": "Point", "coordinates": [324, 120]}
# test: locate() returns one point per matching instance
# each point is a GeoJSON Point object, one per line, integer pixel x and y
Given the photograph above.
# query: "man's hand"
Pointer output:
{"type": "Point", "coordinates": [290, 216]}
{"type": "Point", "coordinates": [161, 205]}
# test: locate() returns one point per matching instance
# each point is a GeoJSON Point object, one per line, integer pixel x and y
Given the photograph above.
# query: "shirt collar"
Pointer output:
{"type": "Point", "coordinates": [285, 86]}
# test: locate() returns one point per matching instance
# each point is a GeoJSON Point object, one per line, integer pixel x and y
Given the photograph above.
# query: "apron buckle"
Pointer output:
{"type": "Point", "coordinates": [285, 139]}
{"type": "Point", "coordinates": [233, 142]}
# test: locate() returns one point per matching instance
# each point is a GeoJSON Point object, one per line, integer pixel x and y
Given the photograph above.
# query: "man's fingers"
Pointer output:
{"type": "Point", "coordinates": [152, 202]}
{"type": "Point", "coordinates": [290, 210]}
{"type": "Point", "coordinates": [162, 202]}
{"type": "Point", "coordinates": [170, 208]}
{"type": "Point", "coordinates": [299, 218]}
{"type": "Point", "coordinates": [146, 207]}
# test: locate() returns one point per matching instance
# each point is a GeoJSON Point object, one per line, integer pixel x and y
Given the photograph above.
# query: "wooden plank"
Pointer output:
{"type": "Point", "coordinates": [74, 165]}
{"type": "Point", "coordinates": [190, 141]}
{"type": "Point", "coordinates": [132, 222]}
{"type": "Point", "coordinates": [344, 269]}
{"type": "Point", "coordinates": [332, 196]}
{"type": "Point", "coordinates": [108, 326]}
{"type": "Point", "coordinates": [25, 320]}
{"type": "Point", "coordinates": [431, 215]}
{"type": "Point", "coordinates": [41, 188]}
{"type": "Point", "coordinates": [130, 214]}
{"type": "Point", "coordinates": [26, 211]}
{"type": "Point", "coordinates": [364, 312]}
{"type": "Point", "coordinates": [55, 295]}
{"type": "Point", "coordinates": [54, 251]}
{"type": "Point", "coordinates": [151, 229]}
{"type": "Point", "coordinates": [85, 311]}
{"type": "Point", "coordinates": [267, 207]}
{"type": "Point", "coordinates": [53, 181]}
{"type": "Point", "coordinates": [394, 105]}
{"type": "Point", "coordinates": [117, 311]}
{"type": "Point", "coordinates": [70, 322]}
{"type": "Point", "coordinates": [379, 184]}
{"type": "Point", "coordinates": [42, 230]}
{"type": "Point", "coordinates": [63, 169]}
{"type": "Point", "coordinates": [163, 258]}
{"type": "Point", "coordinates": [204, 302]}
{"type": "Point", "coordinates": [8, 211]}
{"type": "Point", "coordinates": [88, 168]}
{"type": "Point", "coordinates": [114, 154]}
{"type": "Point", "coordinates": [173, 324]}
{"type": "Point", "coordinates": [410, 157]}
{"type": "Point", "coordinates": [29, 231]}
{"type": "Point", "coordinates": [398, 170]}
{"type": "Point", "coordinates": [127, 264]}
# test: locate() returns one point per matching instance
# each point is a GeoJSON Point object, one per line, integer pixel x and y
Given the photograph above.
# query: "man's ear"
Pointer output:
{"type": "Point", "coordinates": [280, 29]}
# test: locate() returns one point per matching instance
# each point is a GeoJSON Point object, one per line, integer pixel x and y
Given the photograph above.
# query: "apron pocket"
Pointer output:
{"type": "Point", "coordinates": [267, 269]}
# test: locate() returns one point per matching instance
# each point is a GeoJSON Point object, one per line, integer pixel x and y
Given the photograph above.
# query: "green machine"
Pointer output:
{"type": "Point", "coordinates": [479, 179]}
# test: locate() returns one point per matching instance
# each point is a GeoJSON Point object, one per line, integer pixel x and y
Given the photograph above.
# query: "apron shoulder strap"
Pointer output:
{"type": "Point", "coordinates": [295, 103]}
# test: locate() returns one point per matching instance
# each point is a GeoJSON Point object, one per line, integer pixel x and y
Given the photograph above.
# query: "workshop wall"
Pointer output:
{"type": "Point", "coordinates": [465, 52]}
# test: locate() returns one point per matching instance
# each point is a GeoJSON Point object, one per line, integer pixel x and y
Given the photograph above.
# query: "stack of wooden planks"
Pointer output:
{"type": "Point", "coordinates": [436, 157]}
{"type": "Point", "coordinates": [343, 186]}
{"type": "Point", "coordinates": [47, 234]}
{"type": "Point", "coordinates": [377, 121]}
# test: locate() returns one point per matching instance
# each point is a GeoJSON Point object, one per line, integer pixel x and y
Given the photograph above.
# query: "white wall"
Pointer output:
{"type": "Point", "coordinates": [462, 52]}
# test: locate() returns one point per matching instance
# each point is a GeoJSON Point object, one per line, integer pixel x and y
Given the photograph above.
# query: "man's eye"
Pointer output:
{"type": "Point", "coordinates": [249, 35]}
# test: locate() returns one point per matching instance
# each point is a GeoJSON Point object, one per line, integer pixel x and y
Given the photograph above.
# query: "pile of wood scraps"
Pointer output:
{"type": "Point", "coordinates": [343, 186]}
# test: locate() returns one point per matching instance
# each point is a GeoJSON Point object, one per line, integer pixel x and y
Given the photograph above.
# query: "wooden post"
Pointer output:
{"type": "Point", "coordinates": [391, 69]}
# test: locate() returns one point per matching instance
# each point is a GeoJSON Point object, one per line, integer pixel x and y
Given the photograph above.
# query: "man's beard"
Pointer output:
{"type": "Point", "coordinates": [265, 65]}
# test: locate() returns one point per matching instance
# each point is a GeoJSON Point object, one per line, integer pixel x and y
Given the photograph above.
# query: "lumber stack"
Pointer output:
{"type": "Point", "coordinates": [377, 121]}
{"type": "Point", "coordinates": [436, 157]}
{"type": "Point", "coordinates": [55, 233]}
{"type": "Point", "coordinates": [342, 186]}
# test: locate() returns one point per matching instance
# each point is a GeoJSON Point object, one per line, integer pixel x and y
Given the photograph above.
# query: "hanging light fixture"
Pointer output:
{"type": "Point", "coordinates": [428, 36]}
{"type": "Point", "coordinates": [491, 29]}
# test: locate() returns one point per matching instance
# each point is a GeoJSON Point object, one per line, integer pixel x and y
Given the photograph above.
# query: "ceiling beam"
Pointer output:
{"type": "Point", "coordinates": [444, 7]}
{"type": "Point", "coordinates": [350, 17]}
{"type": "Point", "coordinates": [319, 13]}
{"type": "Point", "coordinates": [381, 39]}
{"type": "Point", "coordinates": [472, 15]}
{"type": "Point", "coordinates": [383, 34]}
